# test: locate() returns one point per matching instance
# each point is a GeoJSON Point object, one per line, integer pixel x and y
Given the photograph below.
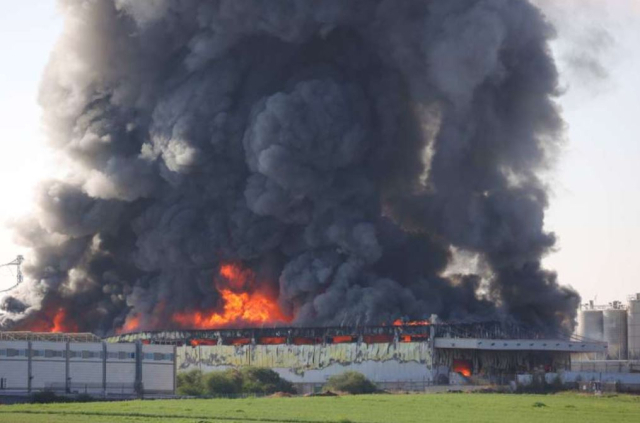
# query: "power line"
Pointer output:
{"type": "Point", "coordinates": [19, 277]}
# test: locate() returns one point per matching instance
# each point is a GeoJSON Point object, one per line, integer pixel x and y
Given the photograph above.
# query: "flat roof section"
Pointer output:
{"type": "Point", "coordinates": [521, 345]}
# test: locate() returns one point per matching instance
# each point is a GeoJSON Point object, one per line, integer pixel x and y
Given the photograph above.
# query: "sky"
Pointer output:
{"type": "Point", "coordinates": [595, 184]}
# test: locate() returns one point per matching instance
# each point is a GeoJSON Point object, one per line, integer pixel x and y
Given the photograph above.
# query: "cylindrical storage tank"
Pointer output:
{"type": "Point", "coordinates": [591, 324]}
{"type": "Point", "coordinates": [615, 333]}
{"type": "Point", "coordinates": [633, 327]}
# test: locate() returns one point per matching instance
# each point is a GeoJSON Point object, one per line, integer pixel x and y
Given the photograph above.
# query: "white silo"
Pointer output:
{"type": "Point", "coordinates": [633, 327]}
{"type": "Point", "coordinates": [615, 331]}
{"type": "Point", "coordinates": [591, 323]}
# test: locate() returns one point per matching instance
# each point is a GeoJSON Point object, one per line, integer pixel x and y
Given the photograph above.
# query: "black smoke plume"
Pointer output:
{"type": "Point", "coordinates": [344, 150]}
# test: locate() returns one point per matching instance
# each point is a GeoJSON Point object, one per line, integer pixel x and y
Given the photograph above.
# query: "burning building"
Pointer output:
{"type": "Point", "coordinates": [396, 357]}
{"type": "Point", "coordinates": [298, 164]}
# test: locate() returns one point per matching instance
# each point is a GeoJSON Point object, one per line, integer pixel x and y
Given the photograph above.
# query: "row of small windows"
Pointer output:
{"type": "Point", "coordinates": [11, 352]}
{"type": "Point", "coordinates": [157, 356]}
{"type": "Point", "coordinates": [119, 355]}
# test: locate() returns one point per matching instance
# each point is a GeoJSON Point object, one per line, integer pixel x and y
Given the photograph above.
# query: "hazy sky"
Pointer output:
{"type": "Point", "coordinates": [595, 204]}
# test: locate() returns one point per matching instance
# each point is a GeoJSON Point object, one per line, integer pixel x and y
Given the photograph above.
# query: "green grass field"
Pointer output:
{"type": "Point", "coordinates": [441, 408]}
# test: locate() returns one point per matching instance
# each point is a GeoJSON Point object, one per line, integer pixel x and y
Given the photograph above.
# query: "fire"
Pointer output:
{"type": "Point", "coordinates": [237, 277]}
{"type": "Point", "coordinates": [399, 322]}
{"type": "Point", "coordinates": [62, 324]}
{"type": "Point", "coordinates": [342, 339]}
{"type": "Point", "coordinates": [462, 367]}
{"type": "Point", "coordinates": [244, 307]}
{"type": "Point", "coordinates": [252, 308]}
{"type": "Point", "coordinates": [198, 342]}
{"type": "Point", "coordinates": [51, 319]}
{"type": "Point", "coordinates": [131, 324]}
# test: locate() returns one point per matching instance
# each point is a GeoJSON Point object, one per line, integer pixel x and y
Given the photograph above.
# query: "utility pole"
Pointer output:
{"type": "Point", "coordinates": [19, 277]}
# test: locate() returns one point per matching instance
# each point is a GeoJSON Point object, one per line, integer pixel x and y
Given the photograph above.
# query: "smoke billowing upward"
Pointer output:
{"type": "Point", "coordinates": [333, 153]}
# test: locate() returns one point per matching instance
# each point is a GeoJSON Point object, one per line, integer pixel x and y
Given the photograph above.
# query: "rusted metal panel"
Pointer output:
{"type": "Point", "coordinates": [301, 358]}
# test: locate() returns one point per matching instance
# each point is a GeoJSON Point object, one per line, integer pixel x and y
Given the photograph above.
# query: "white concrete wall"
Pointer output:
{"type": "Point", "coordinates": [623, 378]}
{"type": "Point", "coordinates": [376, 371]}
{"type": "Point", "coordinates": [158, 368]}
{"type": "Point", "coordinates": [85, 365]}
{"type": "Point", "coordinates": [121, 368]}
{"type": "Point", "coordinates": [14, 369]}
{"type": "Point", "coordinates": [85, 373]}
{"type": "Point", "coordinates": [48, 365]}
{"type": "Point", "coordinates": [626, 380]}
{"type": "Point", "coordinates": [606, 366]}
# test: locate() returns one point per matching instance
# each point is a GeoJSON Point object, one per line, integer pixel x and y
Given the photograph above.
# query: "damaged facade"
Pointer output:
{"type": "Point", "coordinates": [405, 357]}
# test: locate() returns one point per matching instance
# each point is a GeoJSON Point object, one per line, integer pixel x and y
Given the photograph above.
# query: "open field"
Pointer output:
{"type": "Point", "coordinates": [439, 408]}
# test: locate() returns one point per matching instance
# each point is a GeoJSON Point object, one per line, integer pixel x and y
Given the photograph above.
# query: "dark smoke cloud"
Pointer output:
{"type": "Point", "coordinates": [340, 149]}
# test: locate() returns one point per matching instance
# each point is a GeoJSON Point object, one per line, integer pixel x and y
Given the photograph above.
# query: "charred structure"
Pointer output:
{"type": "Point", "coordinates": [395, 357]}
{"type": "Point", "coordinates": [328, 335]}
{"type": "Point", "coordinates": [348, 159]}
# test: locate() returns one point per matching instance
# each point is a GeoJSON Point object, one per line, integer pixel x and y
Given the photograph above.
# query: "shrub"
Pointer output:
{"type": "Point", "coordinates": [256, 380]}
{"type": "Point", "coordinates": [83, 398]}
{"type": "Point", "coordinates": [46, 397]}
{"type": "Point", "coordinates": [351, 382]}
{"type": "Point", "coordinates": [190, 383]}
{"type": "Point", "coordinates": [248, 380]}
{"type": "Point", "coordinates": [227, 382]}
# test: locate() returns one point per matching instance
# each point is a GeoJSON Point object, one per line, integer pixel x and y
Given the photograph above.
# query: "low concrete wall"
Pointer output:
{"type": "Point", "coordinates": [95, 368]}
{"type": "Point", "coordinates": [625, 381]}
{"type": "Point", "coordinates": [606, 366]}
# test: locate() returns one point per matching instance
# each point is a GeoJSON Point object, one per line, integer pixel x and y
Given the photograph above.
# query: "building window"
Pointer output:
{"type": "Point", "coordinates": [90, 354]}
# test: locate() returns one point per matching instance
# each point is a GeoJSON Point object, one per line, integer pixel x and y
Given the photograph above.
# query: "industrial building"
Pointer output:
{"type": "Point", "coordinates": [83, 363]}
{"type": "Point", "coordinates": [617, 324]}
{"type": "Point", "coordinates": [408, 357]}
{"type": "Point", "coordinates": [403, 357]}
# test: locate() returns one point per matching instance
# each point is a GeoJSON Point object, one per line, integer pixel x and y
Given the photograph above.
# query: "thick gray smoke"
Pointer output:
{"type": "Point", "coordinates": [341, 149]}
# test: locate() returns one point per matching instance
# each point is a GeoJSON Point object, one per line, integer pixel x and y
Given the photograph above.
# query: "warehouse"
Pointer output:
{"type": "Point", "coordinates": [408, 357]}
{"type": "Point", "coordinates": [403, 356]}
{"type": "Point", "coordinates": [83, 363]}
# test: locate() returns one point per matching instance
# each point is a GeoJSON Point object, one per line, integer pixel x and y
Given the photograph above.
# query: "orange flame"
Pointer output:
{"type": "Point", "coordinates": [62, 324]}
{"type": "Point", "coordinates": [399, 322]}
{"type": "Point", "coordinates": [252, 308]}
{"type": "Point", "coordinates": [462, 367]}
{"type": "Point", "coordinates": [131, 324]}
{"type": "Point", "coordinates": [237, 277]}
{"type": "Point", "coordinates": [239, 307]}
